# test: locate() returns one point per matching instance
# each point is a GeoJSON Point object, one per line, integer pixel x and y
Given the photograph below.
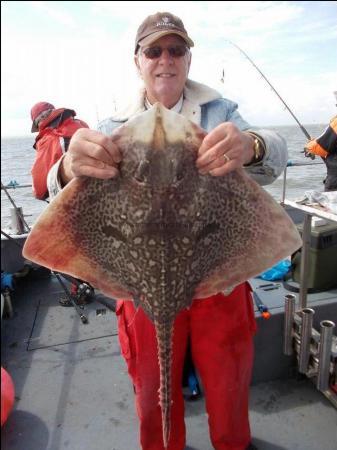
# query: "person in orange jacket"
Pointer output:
{"type": "Point", "coordinates": [325, 146]}
{"type": "Point", "coordinates": [55, 127]}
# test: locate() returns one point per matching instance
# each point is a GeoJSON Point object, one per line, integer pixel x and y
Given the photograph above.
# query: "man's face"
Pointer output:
{"type": "Point", "coordinates": [164, 76]}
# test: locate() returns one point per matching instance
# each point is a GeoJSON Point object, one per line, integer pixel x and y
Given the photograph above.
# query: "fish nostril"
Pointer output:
{"type": "Point", "coordinates": [139, 179]}
{"type": "Point", "coordinates": [180, 176]}
{"type": "Point", "coordinates": [142, 171]}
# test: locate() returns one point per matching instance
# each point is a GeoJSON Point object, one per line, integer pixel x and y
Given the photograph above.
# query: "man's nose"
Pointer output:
{"type": "Point", "coordinates": [165, 56]}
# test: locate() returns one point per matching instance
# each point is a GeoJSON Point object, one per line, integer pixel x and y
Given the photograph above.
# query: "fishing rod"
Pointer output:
{"type": "Point", "coordinates": [290, 163]}
{"type": "Point", "coordinates": [307, 135]}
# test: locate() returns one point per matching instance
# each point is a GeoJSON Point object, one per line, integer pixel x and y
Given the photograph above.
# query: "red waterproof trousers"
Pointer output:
{"type": "Point", "coordinates": [221, 331]}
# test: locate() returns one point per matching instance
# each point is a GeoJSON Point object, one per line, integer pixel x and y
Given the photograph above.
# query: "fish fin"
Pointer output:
{"type": "Point", "coordinates": [53, 243]}
{"type": "Point", "coordinates": [260, 235]}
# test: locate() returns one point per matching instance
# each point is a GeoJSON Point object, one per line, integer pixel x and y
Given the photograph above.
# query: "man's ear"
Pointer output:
{"type": "Point", "coordinates": [189, 63]}
{"type": "Point", "coordinates": [137, 65]}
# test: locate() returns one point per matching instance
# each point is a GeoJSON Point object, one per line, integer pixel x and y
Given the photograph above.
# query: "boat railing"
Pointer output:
{"type": "Point", "coordinates": [15, 185]}
{"type": "Point", "coordinates": [291, 163]}
{"type": "Point", "coordinates": [18, 221]}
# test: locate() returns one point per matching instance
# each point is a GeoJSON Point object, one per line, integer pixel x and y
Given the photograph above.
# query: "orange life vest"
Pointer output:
{"type": "Point", "coordinates": [326, 143]}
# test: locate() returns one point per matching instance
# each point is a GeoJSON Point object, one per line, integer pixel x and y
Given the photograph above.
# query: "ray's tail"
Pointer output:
{"type": "Point", "coordinates": [164, 333]}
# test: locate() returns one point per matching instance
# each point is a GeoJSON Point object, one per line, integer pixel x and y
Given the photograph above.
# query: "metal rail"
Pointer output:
{"type": "Point", "coordinates": [294, 164]}
{"type": "Point", "coordinates": [15, 186]}
{"type": "Point", "coordinates": [18, 214]}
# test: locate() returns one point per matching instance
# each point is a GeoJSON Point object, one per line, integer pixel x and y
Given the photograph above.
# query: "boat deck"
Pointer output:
{"type": "Point", "coordinates": [73, 391]}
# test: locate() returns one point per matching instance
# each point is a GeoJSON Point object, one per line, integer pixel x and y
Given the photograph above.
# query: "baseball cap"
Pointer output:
{"type": "Point", "coordinates": [158, 25]}
{"type": "Point", "coordinates": [37, 109]}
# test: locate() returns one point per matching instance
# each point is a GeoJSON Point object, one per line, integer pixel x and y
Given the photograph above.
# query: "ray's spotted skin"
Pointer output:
{"type": "Point", "coordinates": [161, 233]}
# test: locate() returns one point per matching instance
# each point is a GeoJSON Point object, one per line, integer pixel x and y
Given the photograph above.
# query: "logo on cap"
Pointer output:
{"type": "Point", "coordinates": [165, 22]}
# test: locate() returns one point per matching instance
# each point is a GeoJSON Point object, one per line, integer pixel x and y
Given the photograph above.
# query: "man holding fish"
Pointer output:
{"type": "Point", "coordinates": [220, 327]}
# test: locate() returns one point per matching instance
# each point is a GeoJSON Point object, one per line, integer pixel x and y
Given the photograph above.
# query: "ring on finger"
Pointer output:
{"type": "Point", "coordinates": [226, 157]}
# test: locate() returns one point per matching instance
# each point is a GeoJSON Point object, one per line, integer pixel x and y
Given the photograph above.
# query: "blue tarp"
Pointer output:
{"type": "Point", "coordinates": [277, 272]}
{"type": "Point", "coordinates": [6, 281]}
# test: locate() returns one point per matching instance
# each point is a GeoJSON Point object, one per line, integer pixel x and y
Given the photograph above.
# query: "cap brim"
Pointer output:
{"type": "Point", "coordinates": [155, 36]}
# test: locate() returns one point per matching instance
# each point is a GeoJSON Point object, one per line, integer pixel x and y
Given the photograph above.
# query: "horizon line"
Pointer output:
{"type": "Point", "coordinates": [32, 135]}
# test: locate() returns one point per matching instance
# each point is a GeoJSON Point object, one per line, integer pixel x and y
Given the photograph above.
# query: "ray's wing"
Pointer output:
{"type": "Point", "coordinates": [254, 232]}
{"type": "Point", "coordinates": [56, 242]}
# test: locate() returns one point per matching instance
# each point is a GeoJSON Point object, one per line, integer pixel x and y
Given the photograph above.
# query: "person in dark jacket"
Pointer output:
{"type": "Point", "coordinates": [325, 146]}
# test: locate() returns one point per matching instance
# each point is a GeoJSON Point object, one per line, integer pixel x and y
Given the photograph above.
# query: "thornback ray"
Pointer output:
{"type": "Point", "coordinates": [161, 233]}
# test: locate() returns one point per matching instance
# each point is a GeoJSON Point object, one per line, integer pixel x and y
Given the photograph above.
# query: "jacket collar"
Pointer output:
{"type": "Point", "coordinates": [195, 95]}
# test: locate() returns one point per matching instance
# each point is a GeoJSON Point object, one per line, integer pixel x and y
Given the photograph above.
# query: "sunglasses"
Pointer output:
{"type": "Point", "coordinates": [175, 51]}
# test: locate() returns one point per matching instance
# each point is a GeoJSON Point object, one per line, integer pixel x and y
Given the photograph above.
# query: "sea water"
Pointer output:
{"type": "Point", "coordinates": [17, 157]}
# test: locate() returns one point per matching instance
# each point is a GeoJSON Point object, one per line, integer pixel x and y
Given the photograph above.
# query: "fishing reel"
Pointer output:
{"type": "Point", "coordinates": [84, 293]}
{"type": "Point", "coordinates": [307, 154]}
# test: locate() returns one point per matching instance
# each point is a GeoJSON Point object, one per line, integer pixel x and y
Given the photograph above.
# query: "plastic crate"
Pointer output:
{"type": "Point", "coordinates": [324, 236]}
